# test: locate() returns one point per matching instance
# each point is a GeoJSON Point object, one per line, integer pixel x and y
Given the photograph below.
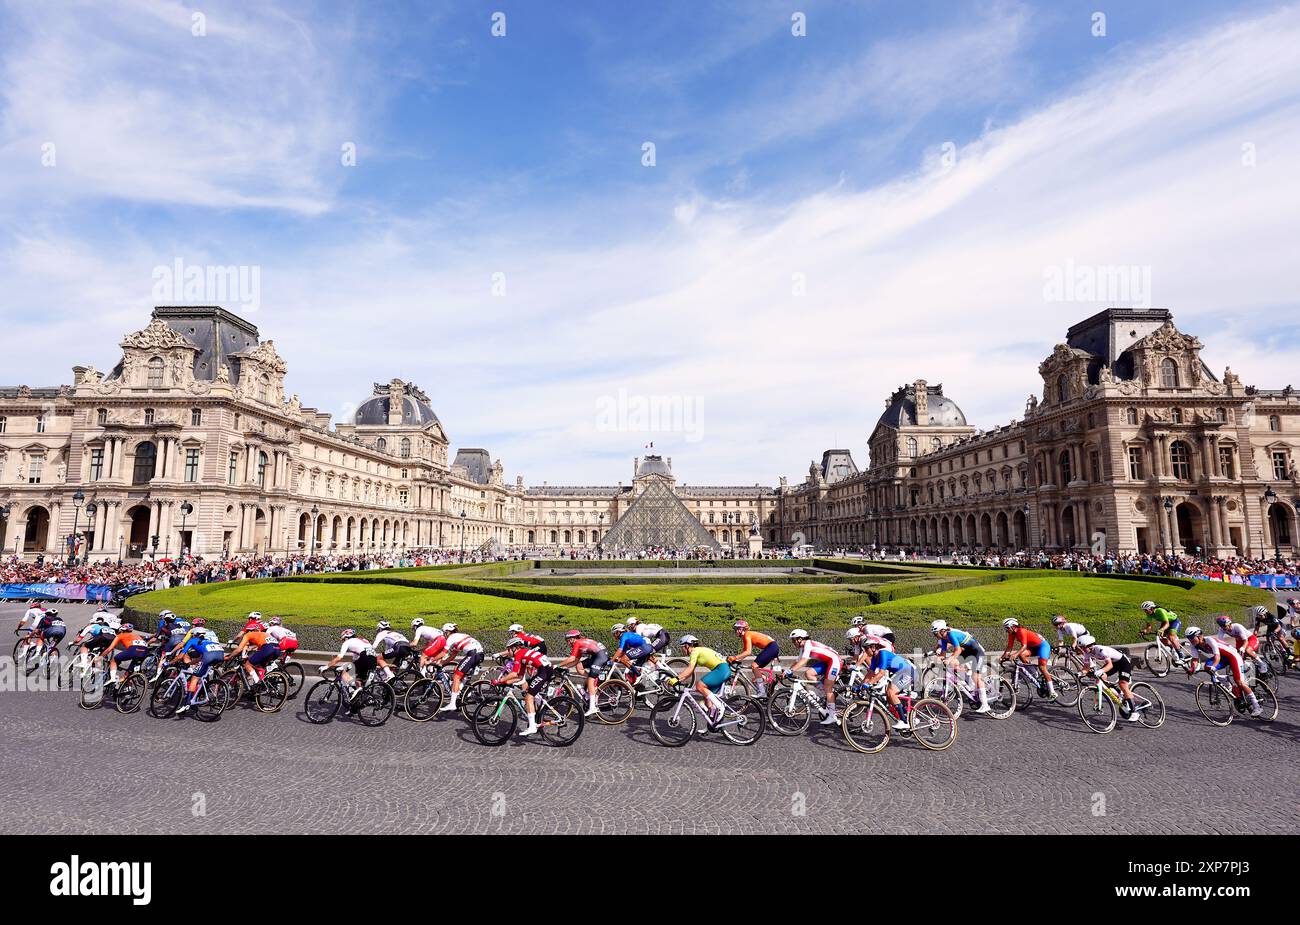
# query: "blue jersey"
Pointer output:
{"type": "Point", "coordinates": [179, 629]}
{"type": "Point", "coordinates": [958, 640]}
{"type": "Point", "coordinates": [634, 642]}
{"type": "Point", "coordinates": [96, 629]}
{"type": "Point", "coordinates": [48, 623]}
{"type": "Point", "coordinates": [889, 661]}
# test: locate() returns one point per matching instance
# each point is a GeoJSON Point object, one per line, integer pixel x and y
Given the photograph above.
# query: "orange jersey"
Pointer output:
{"type": "Point", "coordinates": [755, 640]}
{"type": "Point", "coordinates": [256, 638]}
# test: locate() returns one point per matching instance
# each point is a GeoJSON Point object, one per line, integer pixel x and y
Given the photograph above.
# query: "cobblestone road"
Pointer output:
{"type": "Point", "coordinates": [65, 770]}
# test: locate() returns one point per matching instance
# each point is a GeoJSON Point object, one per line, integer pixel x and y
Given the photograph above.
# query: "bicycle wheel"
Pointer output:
{"type": "Point", "coordinates": [92, 689]}
{"type": "Point", "coordinates": [938, 688]}
{"type": "Point", "coordinates": [865, 724]}
{"type": "Point", "coordinates": [1214, 704]}
{"type": "Point", "coordinates": [166, 699]}
{"type": "Point", "coordinates": [1097, 711]}
{"type": "Point", "coordinates": [293, 671]}
{"type": "Point", "coordinates": [233, 678]}
{"type": "Point", "coordinates": [672, 722]}
{"type": "Point", "coordinates": [494, 720]}
{"type": "Point", "coordinates": [1267, 701]}
{"type": "Point", "coordinates": [1157, 660]}
{"type": "Point", "coordinates": [423, 700]}
{"type": "Point", "coordinates": [789, 713]}
{"type": "Point", "coordinates": [273, 692]}
{"type": "Point", "coordinates": [744, 720]}
{"type": "Point", "coordinates": [1001, 696]}
{"type": "Point", "coordinates": [472, 693]}
{"type": "Point", "coordinates": [209, 710]}
{"type": "Point", "coordinates": [1024, 687]}
{"type": "Point", "coordinates": [130, 693]}
{"type": "Point", "coordinates": [1153, 714]}
{"type": "Point", "coordinates": [615, 701]}
{"type": "Point", "coordinates": [322, 702]}
{"type": "Point", "coordinates": [560, 721]}
{"type": "Point", "coordinates": [402, 682]}
{"type": "Point", "coordinates": [1067, 687]}
{"type": "Point", "coordinates": [375, 704]}
{"type": "Point", "coordinates": [933, 724]}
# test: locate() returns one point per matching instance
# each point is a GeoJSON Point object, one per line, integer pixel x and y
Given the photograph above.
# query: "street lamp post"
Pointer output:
{"type": "Point", "coordinates": [78, 499]}
{"type": "Point", "coordinates": [315, 512]}
{"type": "Point", "coordinates": [1270, 498]}
{"type": "Point", "coordinates": [4, 522]}
{"type": "Point", "coordinates": [1026, 511]}
{"type": "Point", "coordinates": [463, 515]}
{"type": "Point", "coordinates": [1171, 525]}
{"type": "Point", "coordinates": [186, 510]}
{"type": "Point", "coordinates": [600, 542]}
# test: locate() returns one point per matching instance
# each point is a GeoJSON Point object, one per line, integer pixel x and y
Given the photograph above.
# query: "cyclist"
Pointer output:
{"type": "Point", "coordinates": [1075, 631]}
{"type": "Point", "coordinates": [962, 645]}
{"type": "Point", "coordinates": [284, 637]}
{"type": "Point", "coordinates": [717, 672]}
{"type": "Point", "coordinates": [94, 636]}
{"type": "Point", "coordinates": [32, 616]}
{"type": "Point", "coordinates": [1218, 657]}
{"type": "Point", "coordinates": [254, 624]}
{"type": "Point", "coordinates": [200, 653]}
{"type": "Point", "coordinates": [768, 651]}
{"type": "Point", "coordinates": [885, 662]}
{"type": "Point", "coordinates": [1243, 640]}
{"type": "Point", "coordinates": [1268, 624]}
{"type": "Point", "coordinates": [653, 633]}
{"type": "Point", "coordinates": [130, 647]}
{"type": "Point", "coordinates": [1104, 660]}
{"type": "Point", "coordinates": [458, 645]}
{"type": "Point", "coordinates": [633, 650]}
{"type": "Point", "coordinates": [423, 636]}
{"type": "Point", "coordinates": [261, 649]}
{"type": "Point", "coordinates": [1166, 624]}
{"type": "Point", "coordinates": [392, 647]}
{"type": "Point", "coordinates": [587, 656]}
{"type": "Point", "coordinates": [49, 631]}
{"type": "Point", "coordinates": [364, 660]}
{"type": "Point", "coordinates": [532, 640]}
{"type": "Point", "coordinates": [821, 662]}
{"type": "Point", "coordinates": [531, 670]}
{"type": "Point", "coordinates": [874, 629]}
{"type": "Point", "coordinates": [1021, 642]}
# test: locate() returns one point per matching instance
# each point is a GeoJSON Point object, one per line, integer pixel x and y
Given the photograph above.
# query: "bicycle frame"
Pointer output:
{"type": "Point", "coordinates": [688, 696]}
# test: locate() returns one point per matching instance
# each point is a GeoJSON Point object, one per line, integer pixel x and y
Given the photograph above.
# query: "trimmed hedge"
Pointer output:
{"type": "Point", "coordinates": [565, 600]}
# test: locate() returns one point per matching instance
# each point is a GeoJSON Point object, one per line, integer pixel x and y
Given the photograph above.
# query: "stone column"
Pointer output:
{"type": "Point", "coordinates": [1212, 517]}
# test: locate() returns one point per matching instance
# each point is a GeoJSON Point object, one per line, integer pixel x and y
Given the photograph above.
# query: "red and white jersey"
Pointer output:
{"type": "Point", "coordinates": [530, 660]}
{"type": "Point", "coordinates": [425, 635]}
{"type": "Point", "coordinates": [532, 640]}
{"type": "Point", "coordinates": [280, 633]}
{"type": "Point", "coordinates": [463, 643]}
{"type": "Point", "coordinates": [1233, 633]}
{"type": "Point", "coordinates": [356, 647]}
{"type": "Point", "coordinates": [819, 651]}
{"type": "Point", "coordinates": [1214, 648]}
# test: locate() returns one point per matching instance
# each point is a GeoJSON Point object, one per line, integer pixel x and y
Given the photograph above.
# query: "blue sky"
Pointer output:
{"type": "Point", "coordinates": [917, 166]}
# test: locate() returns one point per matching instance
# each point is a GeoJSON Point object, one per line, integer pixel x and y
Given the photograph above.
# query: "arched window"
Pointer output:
{"type": "Point", "coordinates": [1180, 459]}
{"type": "Point", "coordinates": [261, 469]}
{"type": "Point", "coordinates": [406, 446]}
{"type": "Point", "coordinates": [1130, 415]}
{"type": "Point", "coordinates": [1274, 423]}
{"type": "Point", "coordinates": [155, 373]}
{"type": "Point", "coordinates": [1062, 388]}
{"type": "Point", "coordinates": [382, 445]}
{"type": "Point", "coordinates": [911, 446]}
{"type": "Point", "coordinates": [1168, 373]}
{"type": "Point", "coordinates": [1067, 475]}
{"type": "Point", "coordinates": [264, 388]}
{"type": "Point", "coordinates": [1221, 415]}
{"type": "Point", "coordinates": [146, 456]}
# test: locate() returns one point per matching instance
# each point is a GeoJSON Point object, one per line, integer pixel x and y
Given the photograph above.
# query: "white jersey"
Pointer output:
{"type": "Point", "coordinates": [32, 616]}
{"type": "Point", "coordinates": [1233, 633]}
{"type": "Point", "coordinates": [1075, 631]}
{"type": "Point", "coordinates": [279, 633]}
{"type": "Point", "coordinates": [648, 630]}
{"type": "Point", "coordinates": [388, 640]}
{"type": "Point", "coordinates": [463, 642]}
{"type": "Point", "coordinates": [356, 647]}
{"type": "Point", "coordinates": [426, 635]}
{"type": "Point", "coordinates": [1100, 653]}
{"type": "Point", "coordinates": [875, 629]}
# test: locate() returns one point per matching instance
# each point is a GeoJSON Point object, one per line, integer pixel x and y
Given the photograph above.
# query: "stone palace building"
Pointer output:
{"type": "Point", "coordinates": [190, 443]}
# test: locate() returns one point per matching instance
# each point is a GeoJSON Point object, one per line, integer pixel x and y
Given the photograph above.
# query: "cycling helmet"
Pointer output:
{"type": "Point", "coordinates": [1087, 639]}
{"type": "Point", "coordinates": [1148, 605]}
{"type": "Point", "coordinates": [128, 627]}
{"type": "Point", "coordinates": [101, 618]}
{"type": "Point", "coordinates": [853, 633]}
{"type": "Point", "coordinates": [347, 634]}
{"type": "Point", "coordinates": [798, 634]}
{"type": "Point", "coordinates": [1259, 613]}
{"type": "Point", "coordinates": [383, 625]}
{"type": "Point", "coordinates": [938, 626]}
{"type": "Point", "coordinates": [514, 642]}
{"type": "Point", "coordinates": [1223, 621]}
{"type": "Point", "coordinates": [53, 612]}
{"type": "Point", "coordinates": [688, 640]}
{"type": "Point", "coordinates": [617, 628]}
{"type": "Point", "coordinates": [449, 627]}
{"type": "Point", "coordinates": [200, 621]}
{"type": "Point", "coordinates": [873, 642]}
{"type": "Point", "coordinates": [275, 621]}
{"type": "Point", "coordinates": [1192, 632]}
{"type": "Point", "coordinates": [740, 625]}
{"type": "Point", "coordinates": [417, 623]}
{"type": "Point", "coordinates": [1058, 620]}
{"type": "Point", "coordinates": [1010, 623]}
{"type": "Point", "coordinates": [165, 613]}
{"type": "Point", "coordinates": [515, 628]}
{"type": "Point", "coordinates": [573, 634]}
{"type": "Point", "coordinates": [1293, 601]}
{"type": "Point", "coordinates": [858, 620]}
{"type": "Point", "coordinates": [633, 622]}
{"type": "Point", "coordinates": [254, 616]}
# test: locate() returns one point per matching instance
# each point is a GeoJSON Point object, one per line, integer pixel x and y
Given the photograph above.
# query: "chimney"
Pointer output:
{"type": "Point", "coordinates": [920, 398]}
